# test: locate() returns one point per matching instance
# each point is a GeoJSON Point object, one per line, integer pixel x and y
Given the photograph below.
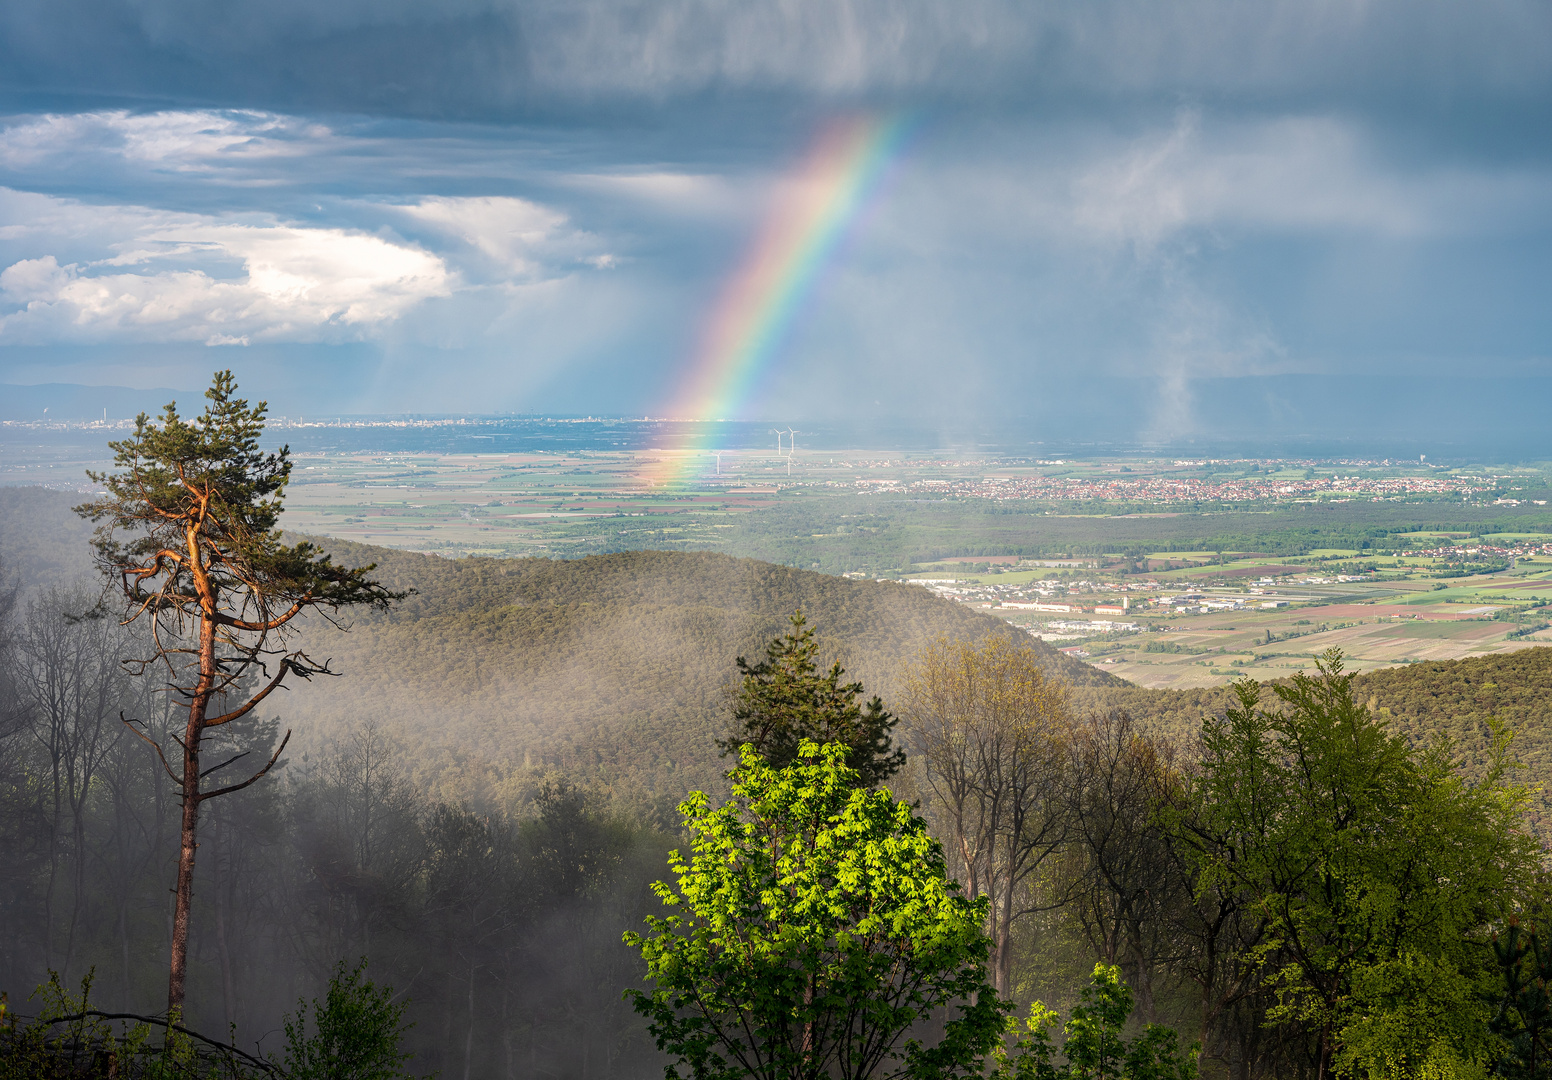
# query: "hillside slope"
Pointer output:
{"type": "Point", "coordinates": [42, 541]}
{"type": "Point", "coordinates": [1453, 699]}
{"type": "Point", "coordinates": [611, 668]}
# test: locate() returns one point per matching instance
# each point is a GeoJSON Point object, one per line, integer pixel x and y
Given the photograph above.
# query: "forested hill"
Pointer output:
{"type": "Point", "coordinates": [1453, 699]}
{"type": "Point", "coordinates": [42, 541]}
{"type": "Point", "coordinates": [610, 669]}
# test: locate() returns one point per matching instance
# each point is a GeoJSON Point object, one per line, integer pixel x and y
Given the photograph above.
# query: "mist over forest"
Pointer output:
{"type": "Point", "coordinates": [478, 801]}
{"type": "Point", "coordinates": [633, 619]}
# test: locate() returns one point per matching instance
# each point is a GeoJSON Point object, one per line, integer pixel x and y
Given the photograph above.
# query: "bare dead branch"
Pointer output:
{"type": "Point", "coordinates": [224, 764]}
{"type": "Point", "coordinates": [161, 1021]}
{"type": "Point", "coordinates": [292, 663]}
{"type": "Point", "coordinates": [154, 746]}
{"type": "Point", "coordinates": [238, 787]}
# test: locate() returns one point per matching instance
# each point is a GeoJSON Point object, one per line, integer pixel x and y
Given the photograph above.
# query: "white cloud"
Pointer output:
{"type": "Point", "coordinates": [202, 279]}
{"type": "Point", "coordinates": [79, 273]}
{"type": "Point", "coordinates": [681, 193]}
{"type": "Point", "coordinates": [199, 141]}
{"type": "Point", "coordinates": [510, 232]}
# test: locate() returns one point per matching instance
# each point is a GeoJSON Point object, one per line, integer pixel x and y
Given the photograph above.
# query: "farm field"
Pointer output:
{"type": "Point", "coordinates": [562, 503]}
{"type": "Point", "coordinates": [1218, 649]}
{"type": "Point", "coordinates": [1264, 616]}
{"type": "Point", "coordinates": [496, 504]}
{"type": "Point", "coordinates": [1393, 563]}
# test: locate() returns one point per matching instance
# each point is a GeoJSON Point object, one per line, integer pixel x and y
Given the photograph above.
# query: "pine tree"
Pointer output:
{"type": "Point", "coordinates": [187, 537]}
{"type": "Point", "coordinates": [784, 700]}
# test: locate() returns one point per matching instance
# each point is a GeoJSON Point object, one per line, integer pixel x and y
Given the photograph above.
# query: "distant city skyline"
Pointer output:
{"type": "Point", "coordinates": [1201, 222]}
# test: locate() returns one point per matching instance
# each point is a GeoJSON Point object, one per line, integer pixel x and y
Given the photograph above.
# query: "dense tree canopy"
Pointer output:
{"type": "Point", "coordinates": [1381, 871]}
{"type": "Point", "coordinates": [811, 927]}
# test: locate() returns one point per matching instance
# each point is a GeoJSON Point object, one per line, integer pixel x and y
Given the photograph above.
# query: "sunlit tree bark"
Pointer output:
{"type": "Point", "coordinates": [187, 538]}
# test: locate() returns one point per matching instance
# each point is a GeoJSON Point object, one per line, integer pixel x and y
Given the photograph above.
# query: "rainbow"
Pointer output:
{"type": "Point", "coordinates": [814, 211]}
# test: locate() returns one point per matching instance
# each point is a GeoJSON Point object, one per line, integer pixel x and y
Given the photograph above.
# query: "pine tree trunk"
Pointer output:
{"type": "Point", "coordinates": [183, 894]}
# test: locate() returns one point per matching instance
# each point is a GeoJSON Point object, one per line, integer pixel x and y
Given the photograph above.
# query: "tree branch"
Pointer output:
{"type": "Point", "coordinates": [271, 624]}
{"type": "Point", "coordinates": [154, 746]}
{"type": "Point", "coordinates": [238, 787]}
{"type": "Point", "coordinates": [291, 663]}
{"type": "Point", "coordinates": [161, 1021]}
{"type": "Point", "coordinates": [224, 764]}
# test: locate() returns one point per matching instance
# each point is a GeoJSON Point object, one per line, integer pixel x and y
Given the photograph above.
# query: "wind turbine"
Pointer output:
{"type": "Point", "coordinates": [792, 444]}
{"type": "Point", "coordinates": [776, 432]}
{"type": "Point", "coordinates": [718, 455]}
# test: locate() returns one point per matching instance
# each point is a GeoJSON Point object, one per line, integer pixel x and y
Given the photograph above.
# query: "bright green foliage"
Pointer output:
{"type": "Point", "coordinates": [785, 701]}
{"type": "Point", "coordinates": [1379, 869]}
{"type": "Point", "coordinates": [355, 1032]}
{"type": "Point", "coordinates": [811, 927]}
{"type": "Point", "coordinates": [1094, 1049]}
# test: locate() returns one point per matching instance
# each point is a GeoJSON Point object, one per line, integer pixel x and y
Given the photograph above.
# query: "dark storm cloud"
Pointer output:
{"type": "Point", "coordinates": [1109, 208]}
{"type": "Point", "coordinates": [508, 58]}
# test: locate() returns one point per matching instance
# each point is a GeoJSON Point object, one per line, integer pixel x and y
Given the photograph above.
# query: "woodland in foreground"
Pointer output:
{"type": "Point", "coordinates": [502, 929]}
{"type": "Point", "coordinates": [1305, 879]}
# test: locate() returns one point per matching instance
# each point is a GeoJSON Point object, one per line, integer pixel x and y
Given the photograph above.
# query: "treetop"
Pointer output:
{"type": "Point", "coordinates": [190, 520]}
{"type": "Point", "coordinates": [784, 700]}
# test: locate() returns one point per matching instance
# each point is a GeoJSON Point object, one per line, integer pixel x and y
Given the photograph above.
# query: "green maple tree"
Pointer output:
{"type": "Point", "coordinates": [810, 928]}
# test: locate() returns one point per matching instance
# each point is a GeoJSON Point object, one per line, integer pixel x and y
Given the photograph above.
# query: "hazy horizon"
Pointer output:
{"type": "Point", "coordinates": [1473, 419]}
{"type": "Point", "coordinates": [1197, 223]}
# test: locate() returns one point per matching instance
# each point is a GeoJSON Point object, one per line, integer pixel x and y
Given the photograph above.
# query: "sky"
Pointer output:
{"type": "Point", "coordinates": [1158, 222]}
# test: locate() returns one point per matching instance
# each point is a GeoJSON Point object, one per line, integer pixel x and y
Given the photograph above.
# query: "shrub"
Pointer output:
{"type": "Point", "coordinates": [356, 1032]}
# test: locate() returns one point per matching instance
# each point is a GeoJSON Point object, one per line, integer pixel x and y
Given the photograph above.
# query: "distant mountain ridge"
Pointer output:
{"type": "Point", "coordinates": [611, 669]}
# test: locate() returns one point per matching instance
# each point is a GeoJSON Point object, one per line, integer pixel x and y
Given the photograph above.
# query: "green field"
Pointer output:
{"type": "Point", "coordinates": [1475, 569]}
{"type": "Point", "coordinates": [826, 516]}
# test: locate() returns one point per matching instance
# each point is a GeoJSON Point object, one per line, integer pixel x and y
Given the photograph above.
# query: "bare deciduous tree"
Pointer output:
{"type": "Point", "coordinates": [1124, 878]}
{"type": "Point", "coordinates": [992, 731]}
{"type": "Point", "coordinates": [67, 687]}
